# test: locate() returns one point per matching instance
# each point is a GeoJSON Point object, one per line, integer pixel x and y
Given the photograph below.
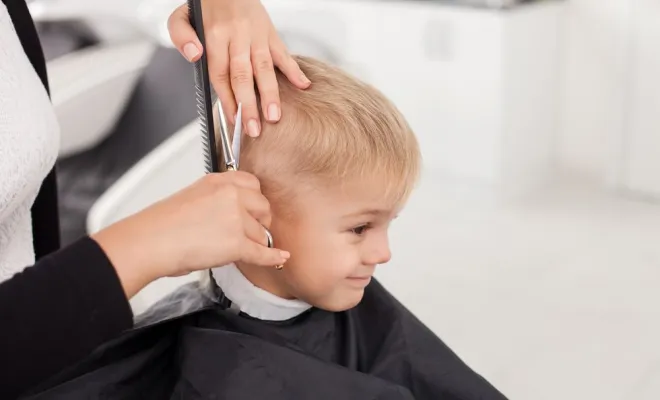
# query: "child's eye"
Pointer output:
{"type": "Point", "coordinates": [360, 230]}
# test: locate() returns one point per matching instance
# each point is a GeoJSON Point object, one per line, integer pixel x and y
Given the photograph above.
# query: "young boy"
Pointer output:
{"type": "Point", "coordinates": [337, 169]}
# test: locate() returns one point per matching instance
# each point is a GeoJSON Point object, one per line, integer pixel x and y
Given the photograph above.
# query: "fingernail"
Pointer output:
{"type": "Point", "coordinates": [273, 112]}
{"type": "Point", "coordinates": [305, 80]}
{"type": "Point", "coordinates": [253, 128]}
{"type": "Point", "coordinates": [190, 51]}
{"type": "Point", "coordinates": [285, 254]}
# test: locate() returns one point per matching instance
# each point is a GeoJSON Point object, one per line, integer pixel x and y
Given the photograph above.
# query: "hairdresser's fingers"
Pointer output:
{"type": "Point", "coordinates": [242, 179]}
{"type": "Point", "coordinates": [183, 35]}
{"type": "Point", "coordinates": [287, 64]}
{"type": "Point", "coordinates": [242, 83]}
{"type": "Point", "coordinates": [257, 242]}
{"type": "Point", "coordinates": [218, 60]}
{"type": "Point", "coordinates": [255, 230]}
{"type": "Point", "coordinates": [264, 72]}
{"type": "Point", "coordinates": [256, 205]}
{"type": "Point", "coordinates": [260, 255]}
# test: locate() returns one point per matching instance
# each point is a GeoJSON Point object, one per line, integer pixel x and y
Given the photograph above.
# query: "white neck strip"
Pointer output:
{"type": "Point", "coordinates": [255, 301]}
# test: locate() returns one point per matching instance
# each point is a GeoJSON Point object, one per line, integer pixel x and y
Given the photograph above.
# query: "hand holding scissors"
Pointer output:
{"type": "Point", "coordinates": [231, 149]}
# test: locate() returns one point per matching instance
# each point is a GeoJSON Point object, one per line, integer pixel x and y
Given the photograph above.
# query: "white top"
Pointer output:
{"type": "Point", "coordinates": [29, 142]}
{"type": "Point", "coordinates": [255, 301]}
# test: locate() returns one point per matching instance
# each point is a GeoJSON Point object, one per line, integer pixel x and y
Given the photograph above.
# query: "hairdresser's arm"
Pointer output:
{"type": "Point", "coordinates": [242, 47]}
{"type": "Point", "coordinates": [57, 311]}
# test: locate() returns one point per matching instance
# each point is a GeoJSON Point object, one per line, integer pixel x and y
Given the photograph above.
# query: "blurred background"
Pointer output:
{"type": "Point", "coordinates": [532, 245]}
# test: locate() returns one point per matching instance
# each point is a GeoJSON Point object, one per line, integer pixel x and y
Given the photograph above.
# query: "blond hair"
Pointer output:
{"type": "Point", "coordinates": [338, 130]}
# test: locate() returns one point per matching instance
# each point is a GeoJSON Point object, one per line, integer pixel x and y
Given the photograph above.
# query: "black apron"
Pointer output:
{"type": "Point", "coordinates": [377, 350]}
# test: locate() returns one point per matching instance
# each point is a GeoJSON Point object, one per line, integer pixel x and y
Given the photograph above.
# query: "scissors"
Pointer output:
{"type": "Point", "coordinates": [231, 148]}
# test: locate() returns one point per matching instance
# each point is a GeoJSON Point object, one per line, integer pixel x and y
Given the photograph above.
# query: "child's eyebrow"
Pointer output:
{"type": "Point", "coordinates": [373, 212]}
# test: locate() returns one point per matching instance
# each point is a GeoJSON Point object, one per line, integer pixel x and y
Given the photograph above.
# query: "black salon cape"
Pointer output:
{"type": "Point", "coordinates": [377, 350]}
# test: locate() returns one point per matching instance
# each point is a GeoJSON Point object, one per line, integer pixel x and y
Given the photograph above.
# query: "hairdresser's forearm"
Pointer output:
{"type": "Point", "coordinates": [56, 312]}
{"type": "Point", "coordinates": [135, 258]}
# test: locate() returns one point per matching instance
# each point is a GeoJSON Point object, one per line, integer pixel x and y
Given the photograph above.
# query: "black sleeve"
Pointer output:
{"type": "Point", "coordinates": [56, 312]}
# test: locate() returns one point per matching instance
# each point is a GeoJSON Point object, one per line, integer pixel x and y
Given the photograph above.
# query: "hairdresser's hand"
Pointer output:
{"type": "Point", "coordinates": [217, 220]}
{"type": "Point", "coordinates": [241, 44]}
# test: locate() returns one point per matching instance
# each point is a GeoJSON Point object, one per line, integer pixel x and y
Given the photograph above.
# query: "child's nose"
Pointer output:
{"type": "Point", "coordinates": [379, 253]}
{"type": "Point", "coordinates": [385, 255]}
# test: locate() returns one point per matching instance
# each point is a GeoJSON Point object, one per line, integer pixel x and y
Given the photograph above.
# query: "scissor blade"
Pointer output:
{"type": "Point", "coordinates": [238, 135]}
{"type": "Point", "coordinates": [227, 155]}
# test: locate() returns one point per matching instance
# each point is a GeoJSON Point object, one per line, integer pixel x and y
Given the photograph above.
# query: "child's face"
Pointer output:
{"type": "Point", "coordinates": [336, 239]}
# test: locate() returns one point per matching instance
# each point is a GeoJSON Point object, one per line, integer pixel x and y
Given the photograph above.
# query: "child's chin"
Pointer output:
{"type": "Point", "coordinates": [342, 303]}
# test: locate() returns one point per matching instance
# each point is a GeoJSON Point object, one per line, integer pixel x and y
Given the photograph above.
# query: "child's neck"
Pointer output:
{"type": "Point", "coordinates": [257, 300]}
{"type": "Point", "coordinates": [265, 279]}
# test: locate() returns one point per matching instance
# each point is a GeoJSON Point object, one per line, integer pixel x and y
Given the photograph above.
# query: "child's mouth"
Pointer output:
{"type": "Point", "coordinates": [360, 280]}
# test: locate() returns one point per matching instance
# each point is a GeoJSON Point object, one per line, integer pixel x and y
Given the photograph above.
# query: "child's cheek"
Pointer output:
{"type": "Point", "coordinates": [345, 262]}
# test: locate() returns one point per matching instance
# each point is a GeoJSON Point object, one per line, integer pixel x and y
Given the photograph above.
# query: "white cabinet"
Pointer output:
{"type": "Point", "coordinates": [639, 163]}
{"type": "Point", "coordinates": [610, 105]}
{"type": "Point", "coordinates": [478, 86]}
